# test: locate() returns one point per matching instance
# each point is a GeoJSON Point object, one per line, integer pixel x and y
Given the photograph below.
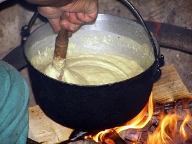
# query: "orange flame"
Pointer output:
{"type": "Point", "coordinates": [182, 127]}
{"type": "Point", "coordinates": [137, 122]}
{"type": "Point", "coordinates": [165, 130]}
{"type": "Point", "coordinates": [165, 133]}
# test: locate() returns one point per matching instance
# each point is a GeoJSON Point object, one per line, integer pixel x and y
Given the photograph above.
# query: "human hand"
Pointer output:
{"type": "Point", "coordinates": [70, 16]}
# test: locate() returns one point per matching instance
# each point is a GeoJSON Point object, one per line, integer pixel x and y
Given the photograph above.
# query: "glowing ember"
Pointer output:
{"type": "Point", "coordinates": [169, 128]}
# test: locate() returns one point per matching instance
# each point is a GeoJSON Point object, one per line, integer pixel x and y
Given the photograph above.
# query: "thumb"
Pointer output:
{"type": "Point", "coordinates": [55, 23]}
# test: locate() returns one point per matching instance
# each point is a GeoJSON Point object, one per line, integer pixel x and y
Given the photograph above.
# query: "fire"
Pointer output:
{"type": "Point", "coordinates": [140, 120]}
{"type": "Point", "coordinates": [160, 136]}
{"type": "Point", "coordinates": [166, 132]}
{"type": "Point", "coordinates": [182, 128]}
{"type": "Point", "coordinates": [137, 123]}
{"type": "Point", "coordinates": [170, 127]}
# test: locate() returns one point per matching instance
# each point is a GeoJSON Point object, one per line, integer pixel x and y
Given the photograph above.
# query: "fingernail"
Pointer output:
{"type": "Point", "coordinates": [72, 29]}
{"type": "Point", "coordinates": [67, 14]}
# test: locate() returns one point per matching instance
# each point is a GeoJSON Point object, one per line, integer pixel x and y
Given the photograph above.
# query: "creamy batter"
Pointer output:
{"type": "Point", "coordinates": [91, 69]}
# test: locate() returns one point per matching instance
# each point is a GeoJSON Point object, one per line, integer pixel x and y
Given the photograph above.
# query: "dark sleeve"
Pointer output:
{"type": "Point", "coordinates": [55, 3]}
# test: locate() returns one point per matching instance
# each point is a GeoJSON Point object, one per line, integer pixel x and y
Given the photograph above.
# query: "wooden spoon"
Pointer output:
{"type": "Point", "coordinates": [56, 69]}
{"type": "Point", "coordinates": [61, 44]}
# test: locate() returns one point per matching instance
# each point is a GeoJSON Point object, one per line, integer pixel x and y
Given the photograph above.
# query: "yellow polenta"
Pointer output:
{"type": "Point", "coordinates": [91, 69]}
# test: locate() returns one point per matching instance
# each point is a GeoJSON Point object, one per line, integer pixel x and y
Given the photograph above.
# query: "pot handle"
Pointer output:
{"type": "Point", "coordinates": [157, 70]}
{"type": "Point", "coordinates": [26, 30]}
{"type": "Point", "coordinates": [159, 58]}
{"type": "Point", "coordinates": [139, 17]}
{"type": "Point", "coordinates": [160, 61]}
{"type": "Point", "coordinates": [16, 57]}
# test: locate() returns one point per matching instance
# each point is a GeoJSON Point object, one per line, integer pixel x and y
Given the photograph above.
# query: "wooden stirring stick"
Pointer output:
{"type": "Point", "coordinates": [61, 44]}
{"type": "Point", "coordinates": [56, 68]}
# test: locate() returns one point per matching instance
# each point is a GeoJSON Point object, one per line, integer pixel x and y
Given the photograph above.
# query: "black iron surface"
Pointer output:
{"type": "Point", "coordinates": [92, 107]}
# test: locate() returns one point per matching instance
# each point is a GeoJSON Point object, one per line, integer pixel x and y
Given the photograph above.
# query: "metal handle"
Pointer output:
{"type": "Point", "coordinates": [138, 16]}
{"type": "Point", "coordinates": [25, 30]}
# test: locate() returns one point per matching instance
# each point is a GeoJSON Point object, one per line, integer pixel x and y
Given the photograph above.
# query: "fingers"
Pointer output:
{"type": "Point", "coordinates": [73, 21]}
{"type": "Point", "coordinates": [50, 12]}
{"type": "Point", "coordinates": [55, 23]}
{"type": "Point", "coordinates": [90, 15]}
{"type": "Point", "coordinates": [70, 16]}
{"type": "Point", "coordinates": [86, 17]}
{"type": "Point", "coordinates": [65, 23]}
{"type": "Point", "coordinates": [53, 16]}
{"type": "Point", "coordinates": [78, 13]}
{"type": "Point", "coordinates": [69, 26]}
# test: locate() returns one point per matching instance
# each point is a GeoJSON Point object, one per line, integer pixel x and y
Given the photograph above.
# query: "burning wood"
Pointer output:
{"type": "Point", "coordinates": [169, 124]}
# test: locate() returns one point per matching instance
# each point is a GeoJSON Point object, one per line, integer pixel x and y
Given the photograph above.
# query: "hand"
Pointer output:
{"type": "Point", "coordinates": [70, 16]}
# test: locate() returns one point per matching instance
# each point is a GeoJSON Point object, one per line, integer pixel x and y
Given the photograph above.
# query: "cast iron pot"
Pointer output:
{"type": "Point", "coordinates": [103, 106]}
